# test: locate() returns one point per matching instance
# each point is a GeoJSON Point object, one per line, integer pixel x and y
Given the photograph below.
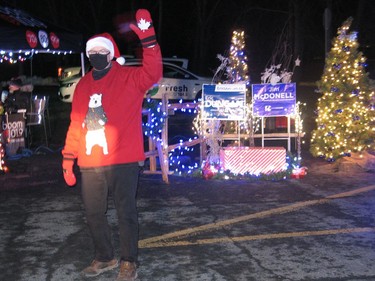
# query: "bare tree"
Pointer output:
{"type": "Point", "coordinates": [205, 12]}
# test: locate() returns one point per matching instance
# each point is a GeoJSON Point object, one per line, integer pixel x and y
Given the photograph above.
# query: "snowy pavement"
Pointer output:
{"type": "Point", "coordinates": [321, 227]}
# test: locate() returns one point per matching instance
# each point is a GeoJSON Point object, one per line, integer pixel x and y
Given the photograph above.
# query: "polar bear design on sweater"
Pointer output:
{"type": "Point", "coordinates": [94, 122]}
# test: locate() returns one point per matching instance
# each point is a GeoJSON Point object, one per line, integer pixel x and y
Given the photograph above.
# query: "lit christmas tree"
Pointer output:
{"type": "Point", "coordinates": [346, 115]}
{"type": "Point", "coordinates": [237, 70]}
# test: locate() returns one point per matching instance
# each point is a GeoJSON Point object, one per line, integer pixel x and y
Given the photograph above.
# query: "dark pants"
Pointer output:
{"type": "Point", "coordinates": [121, 181]}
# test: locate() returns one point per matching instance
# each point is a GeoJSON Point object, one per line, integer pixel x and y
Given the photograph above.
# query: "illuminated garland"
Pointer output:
{"type": "Point", "coordinates": [298, 122]}
{"type": "Point", "coordinates": [13, 57]}
{"type": "Point", "coordinates": [3, 168]}
{"type": "Point", "coordinates": [154, 126]}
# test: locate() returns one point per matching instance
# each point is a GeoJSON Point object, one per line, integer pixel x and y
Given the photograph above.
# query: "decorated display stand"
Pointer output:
{"type": "Point", "coordinates": [224, 114]}
{"type": "Point", "coordinates": [275, 100]}
{"type": "Point", "coordinates": [226, 105]}
{"type": "Point", "coordinates": [228, 102]}
{"type": "Point", "coordinates": [288, 135]}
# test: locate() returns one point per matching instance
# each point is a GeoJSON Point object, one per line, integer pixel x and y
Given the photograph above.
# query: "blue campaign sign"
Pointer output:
{"type": "Point", "coordinates": [274, 100]}
{"type": "Point", "coordinates": [224, 101]}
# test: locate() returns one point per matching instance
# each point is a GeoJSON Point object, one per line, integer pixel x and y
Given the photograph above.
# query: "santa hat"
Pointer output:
{"type": "Point", "coordinates": [106, 41]}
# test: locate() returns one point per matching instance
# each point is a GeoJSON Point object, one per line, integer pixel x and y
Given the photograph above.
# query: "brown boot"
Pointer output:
{"type": "Point", "coordinates": [128, 271]}
{"type": "Point", "coordinates": [98, 267]}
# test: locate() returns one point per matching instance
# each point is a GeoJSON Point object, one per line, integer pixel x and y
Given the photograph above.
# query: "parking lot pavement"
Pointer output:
{"type": "Point", "coordinates": [321, 227]}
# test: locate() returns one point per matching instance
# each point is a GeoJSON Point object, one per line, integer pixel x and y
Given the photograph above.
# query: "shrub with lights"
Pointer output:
{"type": "Point", "coordinates": [179, 157]}
{"type": "Point", "coordinates": [346, 111]}
{"type": "Point", "coordinates": [153, 127]}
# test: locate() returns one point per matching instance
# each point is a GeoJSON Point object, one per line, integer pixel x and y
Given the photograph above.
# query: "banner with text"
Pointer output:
{"type": "Point", "coordinates": [13, 130]}
{"type": "Point", "coordinates": [274, 100]}
{"type": "Point", "coordinates": [224, 101]}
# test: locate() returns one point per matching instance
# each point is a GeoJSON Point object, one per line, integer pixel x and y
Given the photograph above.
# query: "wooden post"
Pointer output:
{"type": "Point", "coordinates": [151, 144]}
{"type": "Point", "coordinates": [152, 147]}
{"type": "Point", "coordinates": [163, 145]}
{"type": "Point", "coordinates": [164, 163]}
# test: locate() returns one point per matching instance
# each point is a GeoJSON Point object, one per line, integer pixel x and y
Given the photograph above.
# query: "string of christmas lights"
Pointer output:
{"type": "Point", "coordinates": [212, 130]}
{"type": "Point", "coordinates": [3, 167]}
{"type": "Point", "coordinates": [13, 57]}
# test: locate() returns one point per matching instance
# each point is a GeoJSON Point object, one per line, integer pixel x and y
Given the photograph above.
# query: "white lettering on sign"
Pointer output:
{"type": "Point", "coordinates": [43, 38]}
{"type": "Point", "coordinates": [272, 96]}
{"type": "Point", "coordinates": [15, 129]}
{"type": "Point", "coordinates": [229, 107]}
{"type": "Point", "coordinates": [230, 88]}
{"type": "Point", "coordinates": [274, 89]}
{"type": "Point", "coordinates": [223, 103]}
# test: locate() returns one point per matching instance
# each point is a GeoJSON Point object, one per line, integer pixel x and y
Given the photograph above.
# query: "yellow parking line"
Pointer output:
{"type": "Point", "coordinates": [195, 230]}
{"type": "Point", "coordinates": [161, 244]}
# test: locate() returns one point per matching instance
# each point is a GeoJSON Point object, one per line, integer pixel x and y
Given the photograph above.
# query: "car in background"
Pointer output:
{"type": "Point", "coordinates": [68, 79]}
{"type": "Point", "coordinates": [178, 83]}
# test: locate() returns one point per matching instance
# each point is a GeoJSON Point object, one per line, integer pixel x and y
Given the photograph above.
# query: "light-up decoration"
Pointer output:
{"type": "Point", "coordinates": [298, 122]}
{"type": "Point", "coordinates": [299, 173]}
{"type": "Point", "coordinates": [238, 72]}
{"type": "Point", "coordinates": [179, 159]}
{"type": "Point", "coordinates": [209, 170]}
{"type": "Point", "coordinates": [35, 33]}
{"type": "Point", "coordinates": [232, 70]}
{"type": "Point", "coordinates": [153, 127]}
{"type": "Point", "coordinates": [12, 57]}
{"type": "Point", "coordinates": [346, 119]}
{"type": "Point", "coordinates": [182, 158]}
{"type": "Point", "coordinates": [15, 56]}
{"type": "Point", "coordinates": [181, 162]}
{"type": "Point", "coordinates": [253, 160]}
{"type": "Point", "coordinates": [3, 167]}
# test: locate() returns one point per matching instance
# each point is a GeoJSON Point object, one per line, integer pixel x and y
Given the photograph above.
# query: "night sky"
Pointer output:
{"type": "Point", "coordinates": [201, 29]}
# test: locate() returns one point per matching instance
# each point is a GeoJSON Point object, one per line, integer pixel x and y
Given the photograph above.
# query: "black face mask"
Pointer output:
{"type": "Point", "coordinates": [99, 62]}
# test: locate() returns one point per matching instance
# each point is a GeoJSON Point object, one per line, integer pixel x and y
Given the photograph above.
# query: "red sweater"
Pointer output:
{"type": "Point", "coordinates": [122, 90]}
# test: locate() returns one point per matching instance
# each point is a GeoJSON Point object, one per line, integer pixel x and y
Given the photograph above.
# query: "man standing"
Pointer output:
{"type": "Point", "coordinates": [105, 136]}
{"type": "Point", "coordinates": [16, 99]}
